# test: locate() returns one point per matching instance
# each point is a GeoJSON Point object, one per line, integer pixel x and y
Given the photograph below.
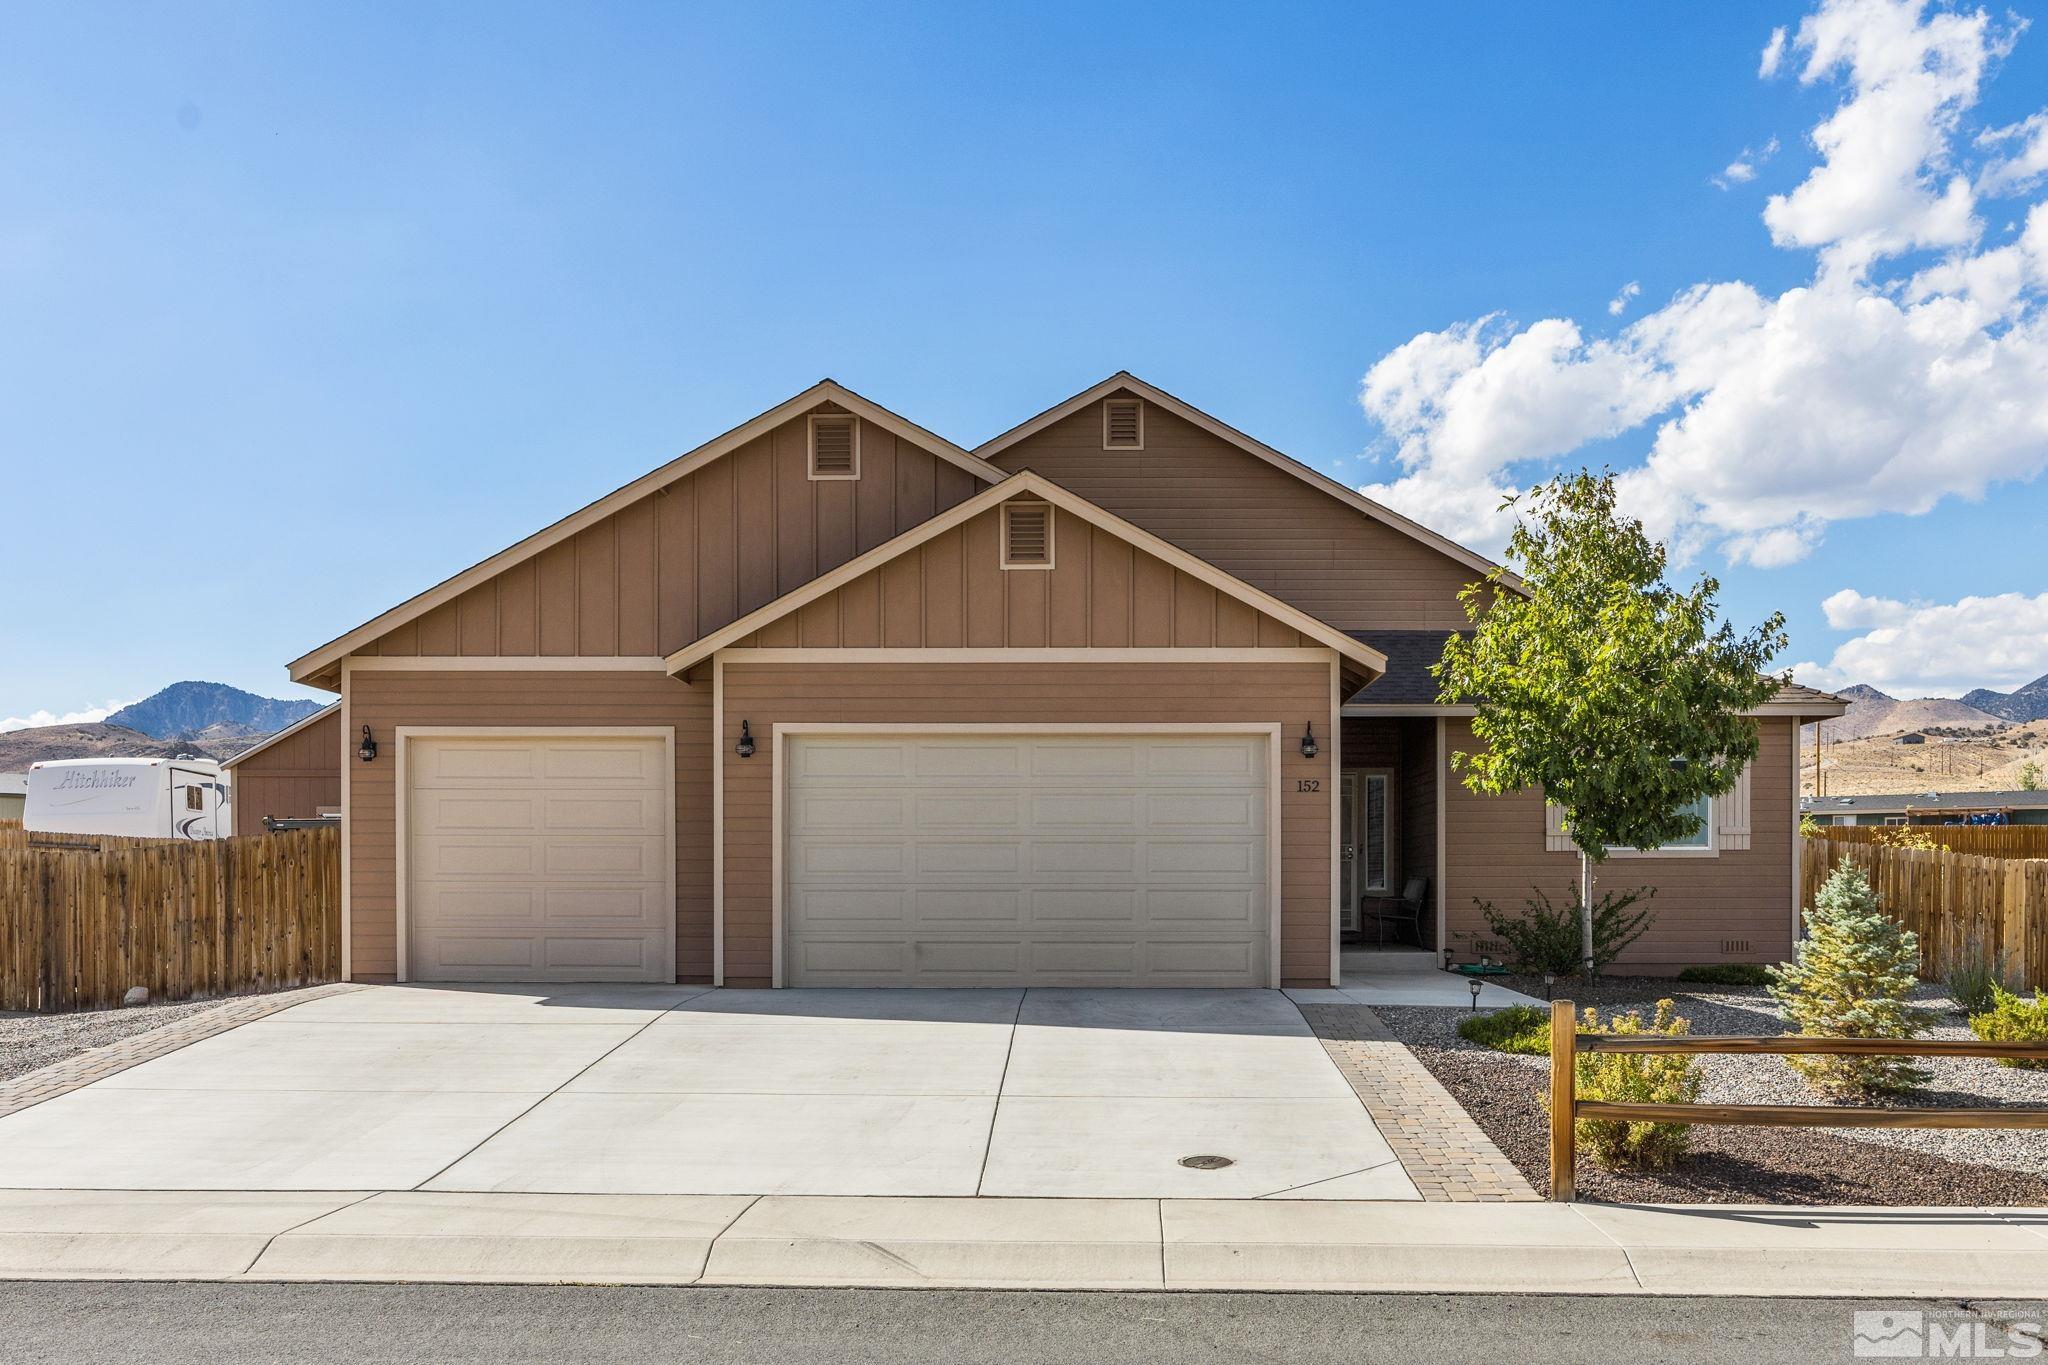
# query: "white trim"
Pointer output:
{"type": "Point", "coordinates": [348, 781]}
{"type": "Point", "coordinates": [405, 733]}
{"type": "Point", "coordinates": [1798, 842]}
{"type": "Point", "coordinates": [507, 663]}
{"type": "Point", "coordinates": [1351, 497]}
{"type": "Point", "coordinates": [811, 452]}
{"type": "Point", "coordinates": [1271, 732]}
{"type": "Point", "coordinates": [301, 723]}
{"type": "Point", "coordinates": [1359, 883]}
{"type": "Point", "coordinates": [1336, 746]}
{"type": "Point", "coordinates": [717, 821]}
{"type": "Point", "coordinates": [1027, 482]}
{"type": "Point", "coordinates": [1003, 559]}
{"type": "Point", "coordinates": [1057, 655]}
{"type": "Point", "coordinates": [1141, 424]}
{"type": "Point", "coordinates": [1711, 849]}
{"type": "Point", "coordinates": [824, 391]}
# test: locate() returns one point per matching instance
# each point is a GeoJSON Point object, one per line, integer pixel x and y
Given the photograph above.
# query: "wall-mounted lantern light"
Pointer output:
{"type": "Point", "coordinates": [1309, 747]}
{"type": "Point", "coordinates": [367, 750]}
{"type": "Point", "coordinates": [745, 748]}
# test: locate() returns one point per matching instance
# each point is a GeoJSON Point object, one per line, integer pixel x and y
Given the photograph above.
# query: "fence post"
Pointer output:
{"type": "Point", "coordinates": [1564, 1073]}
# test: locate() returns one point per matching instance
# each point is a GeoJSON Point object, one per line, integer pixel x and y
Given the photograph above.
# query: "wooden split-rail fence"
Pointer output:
{"type": "Point", "coordinates": [85, 918]}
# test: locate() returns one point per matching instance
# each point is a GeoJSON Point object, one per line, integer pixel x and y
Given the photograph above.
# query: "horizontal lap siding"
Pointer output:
{"type": "Point", "coordinates": [292, 779]}
{"type": "Point", "coordinates": [674, 566]}
{"type": "Point", "coordinates": [387, 700]}
{"type": "Point", "coordinates": [1263, 524]}
{"type": "Point", "coordinates": [1494, 851]}
{"type": "Point", "coordinates": [1289, 694]}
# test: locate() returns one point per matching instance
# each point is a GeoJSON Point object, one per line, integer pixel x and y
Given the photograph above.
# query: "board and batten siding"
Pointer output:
{"type": "Point", "coordinates": [1494, 850]}
{"type": "Point", "coordinates": [1262, 524]}
{"type": "Point", "coordinates": [913, 694]}
{"type": "Point", "coordinates": [294, 779]}
{"type": "Point", "coordinates": [703, 551]}
{"type": "Point", "coordinates": [952, 593]}
{"type": "Point", "coordinates": [386, 700]}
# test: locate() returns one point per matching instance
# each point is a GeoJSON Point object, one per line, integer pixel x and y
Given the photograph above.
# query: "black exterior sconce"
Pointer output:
{"type": "Point", "coordinates": [1309, 747]}
{"type": "Point", "coordinates": [367, 750]}
{"type": "Point", "coordinates": [745, 748]}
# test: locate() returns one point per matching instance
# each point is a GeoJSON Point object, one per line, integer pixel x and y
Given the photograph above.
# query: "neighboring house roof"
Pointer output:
{"type": "Point", "coordinates": [1017, 485]}
{"type": "Point", "coordinates": [324, 658]}
{"type": "Point", "coordinates": [13, 784]}
{"type": "Point", "coordinates": [285, 733]}
{"type": "Point", "coordinates": [1409, 687]}
{"type": "Point", "coordinates": [1898, 802]}
{"type": "Point", "coordinates": [1187, 412]}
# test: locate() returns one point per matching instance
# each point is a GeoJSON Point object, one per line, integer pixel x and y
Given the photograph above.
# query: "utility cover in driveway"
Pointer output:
{"type": "Point", "coordinates": [1035, 860]}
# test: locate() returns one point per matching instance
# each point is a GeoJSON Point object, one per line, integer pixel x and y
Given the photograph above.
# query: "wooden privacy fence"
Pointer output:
{"type": "Point", "coordinates": [1991, 841]}
{"type": "Point", "coordinates": [1566, 1108]}
{"type": "Point", "coordinates": [1956, 902]}
{"type": "Point", "coordinates": [80, 925]}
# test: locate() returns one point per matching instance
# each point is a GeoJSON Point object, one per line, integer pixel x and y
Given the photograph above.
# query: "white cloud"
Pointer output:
{"type": "Point", "coordinates": [1742, 169]}
{"type": "Point", "coordinates": [1934, 648]}
{"type": "Point", "coordinates": [2017, 170]}
{"type": "Point", "coordinates": [1618, 305]}
{"type": "Point", "coordinates": [34, 719]}
{"type": "Point", "coordinates": [1771, 416]}
{"type": "Point", "coordinates": [1774, 53]}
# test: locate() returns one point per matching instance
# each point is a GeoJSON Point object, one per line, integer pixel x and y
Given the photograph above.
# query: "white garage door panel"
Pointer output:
{"type": "Point", "coordinates": [536, 859]}
{"type": "Point", "coordinates": [1038, 860]}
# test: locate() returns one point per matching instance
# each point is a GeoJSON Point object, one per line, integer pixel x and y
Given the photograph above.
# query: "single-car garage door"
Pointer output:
{"type": "Point", "coordinates": [1078, 860]}
{"type": "Point", "coordinates": [541, 857]}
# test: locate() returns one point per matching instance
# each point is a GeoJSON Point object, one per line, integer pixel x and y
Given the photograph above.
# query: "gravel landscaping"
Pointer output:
{"type": "Point", "coordinates": [1505, 1095]}
{"type": "Point", "coordinates": [30, 1042]}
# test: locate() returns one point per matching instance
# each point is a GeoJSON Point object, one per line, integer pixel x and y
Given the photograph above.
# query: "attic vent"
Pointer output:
{"type": "Point", "coordinates": [1123, 424]}
{"type": "Point", "coordinates": [1027, 535]}
{"type": "Point", "coordinates": [835, 446]}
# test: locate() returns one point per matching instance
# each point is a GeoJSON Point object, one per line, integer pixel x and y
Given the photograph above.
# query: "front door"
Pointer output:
{"type": "Point", "coordinates": [1363, 829]}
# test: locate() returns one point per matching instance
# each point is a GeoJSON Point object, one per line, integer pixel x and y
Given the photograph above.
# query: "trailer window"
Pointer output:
{"type": "Point", "coordinates": [195, 799]}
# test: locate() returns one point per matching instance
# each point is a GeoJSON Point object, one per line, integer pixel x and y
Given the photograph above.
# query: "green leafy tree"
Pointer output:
{"type": "Point", "coordinates": [2030, 776]}
{"type": "Point", "coordinates": [1620, 696]}
{"type": "Point", "coordinates": [1855, 971]}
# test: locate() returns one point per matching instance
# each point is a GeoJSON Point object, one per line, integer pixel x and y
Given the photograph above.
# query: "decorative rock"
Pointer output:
{"type": "Point", "coordinates": [137, 995]}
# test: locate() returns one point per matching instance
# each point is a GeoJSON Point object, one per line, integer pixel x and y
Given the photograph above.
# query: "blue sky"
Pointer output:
{"type": "Point", "coordinates": [308, 307]}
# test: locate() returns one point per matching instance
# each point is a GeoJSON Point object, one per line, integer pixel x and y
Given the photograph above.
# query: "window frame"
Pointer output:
{"type": "Point", "coordinates": [1709, 829]}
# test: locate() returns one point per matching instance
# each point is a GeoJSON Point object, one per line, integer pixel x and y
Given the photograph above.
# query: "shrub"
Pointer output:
{"type": "Point", "coordinates": [1544, 938]}
{"type": "Point", "coordinates": [1636, 1078]}
{"type": "Point", "coordinates": [2013, 1019]}
{"type": "Point", "coordinates": [1809, 827]}
{"type": "Point", "coordinates": [1975, 978]}
{"type": "Point", "coordinates": [1522, 1029]}
{"type": "Point", "coordinates": [1728, 974]}
{"type": "Point", "coordinates": [1854, 970]}
{"type": "Point", "coordinates": [1911, 837]}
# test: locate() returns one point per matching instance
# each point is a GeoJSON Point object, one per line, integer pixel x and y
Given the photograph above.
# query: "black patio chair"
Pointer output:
{"type": "Point", "coordinates": [1407, 911]}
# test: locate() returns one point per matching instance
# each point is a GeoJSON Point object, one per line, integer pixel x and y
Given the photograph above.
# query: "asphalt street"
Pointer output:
{"type": "Point", "coordinates": [177, 1324]}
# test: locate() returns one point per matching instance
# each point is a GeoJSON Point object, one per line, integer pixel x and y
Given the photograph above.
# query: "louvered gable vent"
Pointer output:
{"type": "Point", "coordinates": [1027, 535]}
{"type": "Point", "coordinates": [835, 446]}
{"type": "Point", "coordinates": [1123, 424]}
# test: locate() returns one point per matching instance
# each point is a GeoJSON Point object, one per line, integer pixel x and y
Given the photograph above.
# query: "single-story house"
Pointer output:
{"type": "Point", "coordinates": [13, 795]}
{"type": "Point", "coordinates": [1928, 808]}
{"type": "Point", "coordinates": [294, 774]}
{"type": "Point", "coordinates": [1122, 696]}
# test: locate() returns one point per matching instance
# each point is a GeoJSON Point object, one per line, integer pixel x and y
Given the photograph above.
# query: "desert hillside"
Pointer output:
{"type": "Point", "coordinates": [19, 748]}
{"type": "Point", "coordinates": [1954, 759]}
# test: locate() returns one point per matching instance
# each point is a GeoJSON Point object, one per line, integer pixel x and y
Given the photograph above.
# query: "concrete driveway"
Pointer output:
{"type": "Point", "coordinates": [685, 1090]}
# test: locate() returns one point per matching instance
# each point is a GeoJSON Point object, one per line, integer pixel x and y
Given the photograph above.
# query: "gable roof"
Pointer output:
{"type": "Point", "coordinates": [1187, 412]}
{"type": "Point", "coordinates": [301, 723]}
{"type": "Point", "coordinates": [1037, 485]}
{"type": "Point", "coordinates": [323, 659]}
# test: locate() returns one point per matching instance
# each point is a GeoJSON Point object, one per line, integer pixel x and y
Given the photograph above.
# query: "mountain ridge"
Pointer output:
{"type": "Point", "coordinates": [189, 708]}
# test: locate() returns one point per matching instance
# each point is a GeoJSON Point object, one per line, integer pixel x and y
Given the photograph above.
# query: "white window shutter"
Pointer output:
{"type": "Point", "coordinates": [1731, 813]}
{"type": "Point", "coordinates": [1555, 840]}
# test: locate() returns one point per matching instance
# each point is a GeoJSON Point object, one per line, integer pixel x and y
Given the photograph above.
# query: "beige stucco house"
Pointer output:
{"type": "Point", "coordinates": [1120, 697]}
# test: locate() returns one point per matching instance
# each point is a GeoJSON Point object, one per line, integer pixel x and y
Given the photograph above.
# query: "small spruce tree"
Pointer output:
{"type": "Point", "coordinates": [1854, 971]}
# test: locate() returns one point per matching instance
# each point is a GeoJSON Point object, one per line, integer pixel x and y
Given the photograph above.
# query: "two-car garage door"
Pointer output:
{"type": "Point", "coordinates": [970, 859]}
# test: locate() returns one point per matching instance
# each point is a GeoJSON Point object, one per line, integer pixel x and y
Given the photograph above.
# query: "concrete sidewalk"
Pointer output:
{"type": "Point", "coordinates": [415, 1236]}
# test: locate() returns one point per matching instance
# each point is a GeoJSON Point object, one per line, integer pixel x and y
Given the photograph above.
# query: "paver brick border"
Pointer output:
{"type": "Point", "coordinates": [109, 1059]}
{"type": "Point", "coordinates": [1444, 1152]}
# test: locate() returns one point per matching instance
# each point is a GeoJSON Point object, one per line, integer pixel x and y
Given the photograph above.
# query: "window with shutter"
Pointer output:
{"type": "Point", "coordinates": [835, 446]}
{"type": "Point", "coordinates": [1123, 424]}
{"type": "Point", "coordinates": [1027, 535]}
